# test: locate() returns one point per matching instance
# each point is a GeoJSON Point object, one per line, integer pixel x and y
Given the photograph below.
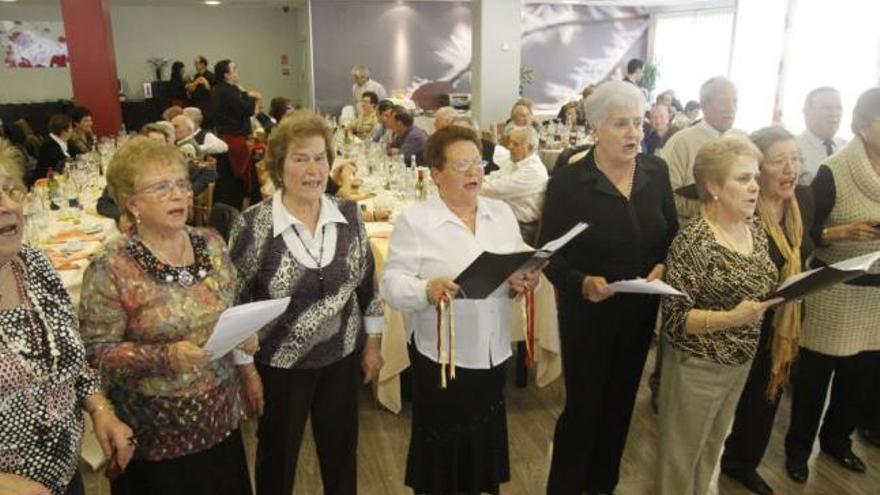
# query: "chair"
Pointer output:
{"type": "Point", "coordinates": [347, 115]}
{"type": "Point", "coordinates": [202, 206]}
{"type": "Point", "coordinates": [222, 217]}
{"type": "Point", "coordinates": [568, 154]}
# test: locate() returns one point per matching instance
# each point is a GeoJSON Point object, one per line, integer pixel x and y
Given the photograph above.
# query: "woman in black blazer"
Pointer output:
{"type": "Point", "coordinates": [626, 198]}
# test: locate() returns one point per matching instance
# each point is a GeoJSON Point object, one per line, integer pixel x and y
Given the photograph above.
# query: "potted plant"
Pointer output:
{"type": "Point", "coordinates": [158, 64]}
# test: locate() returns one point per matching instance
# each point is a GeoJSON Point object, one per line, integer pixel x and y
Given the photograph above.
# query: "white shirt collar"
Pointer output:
{"type": "Point", "coordinates": [817, 141]}
{"type": "Point", "coordinates": [60, 142]}
{"type": "Point", "coordinates": [282, 219]}
{"type": "Point", "coordinates": [441, 213]}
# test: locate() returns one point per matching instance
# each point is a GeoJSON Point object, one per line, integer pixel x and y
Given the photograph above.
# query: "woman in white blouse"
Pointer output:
{"type": "Point", "coordinates": [459, 433]}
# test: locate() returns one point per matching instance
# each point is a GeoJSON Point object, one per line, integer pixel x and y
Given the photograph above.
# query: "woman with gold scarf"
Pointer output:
{"type": "Point", "coordinates": [786, 210]}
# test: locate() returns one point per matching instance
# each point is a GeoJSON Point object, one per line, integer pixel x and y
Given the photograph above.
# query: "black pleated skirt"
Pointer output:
{"type": "Point", "coordinates": [459, 435]}
{"type": "Point", "coordinates": [220, 470]}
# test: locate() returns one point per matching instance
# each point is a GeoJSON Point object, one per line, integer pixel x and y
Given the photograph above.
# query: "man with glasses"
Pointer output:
{"type": "Point", "coordinates": [520, 181]}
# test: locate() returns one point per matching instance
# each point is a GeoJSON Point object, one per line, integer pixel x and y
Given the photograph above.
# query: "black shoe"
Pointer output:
{"type": "Point", "coordinates": [870, 436]}
{"type": "Point", "coordinates": [848, 460]}
{"type": "Point", "coordinates": [797, 470]}
{"type": "Point", "coordinates": [751, 480]}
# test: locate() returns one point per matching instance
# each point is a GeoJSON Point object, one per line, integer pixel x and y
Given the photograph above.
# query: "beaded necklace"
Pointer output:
{"type": "Point", "coordinates": [20, 346]}
{"type": "Point", "coordinates": [164, 272]}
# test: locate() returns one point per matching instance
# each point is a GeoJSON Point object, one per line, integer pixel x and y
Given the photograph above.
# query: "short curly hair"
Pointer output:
{"type": "Point", "coordinates": [293, 129]}
{"type": "Point", "coordinates": [134, 158]}
{"type": "Point", "coordinates": [715, 158]}
{"type": "Point", "coordinates": [435, 148]}
{"type": "Point", "coordinates": [12, 160]}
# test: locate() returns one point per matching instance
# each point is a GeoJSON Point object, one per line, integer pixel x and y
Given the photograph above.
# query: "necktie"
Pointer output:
{"type": "Point", "coordinates": [829, 147]}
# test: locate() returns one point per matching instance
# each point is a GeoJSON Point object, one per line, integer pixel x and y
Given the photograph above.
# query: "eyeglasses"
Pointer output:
{"type": "Point", "coordinates": [302, 160]}
{"type": "Point", "coordinates": [162, 190]}
{"type": "Point", "coordinates": [14, 192]}
{"type": "Point", "coordinates": [464, 165]}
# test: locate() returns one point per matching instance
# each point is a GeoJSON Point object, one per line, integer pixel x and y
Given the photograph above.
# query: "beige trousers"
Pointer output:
{"type": "Point", "coordinates": [697, 403]}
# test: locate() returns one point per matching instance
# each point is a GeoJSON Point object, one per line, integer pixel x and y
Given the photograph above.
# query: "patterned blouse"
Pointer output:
{"type": "Point", "coordinates": [133, 307]}
{"type": "Point", "coordinates": [41, 422]}
{"type": "Point", "coordinates": [716, 278]}
{"type": "Point", "coordinates": [325, 320]}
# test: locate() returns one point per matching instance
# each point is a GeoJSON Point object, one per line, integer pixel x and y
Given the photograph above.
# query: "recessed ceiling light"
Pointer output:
{"type": "Point", "coordinates": [212, 2]}
{"type": "Point", "coordinates": [8, 1]}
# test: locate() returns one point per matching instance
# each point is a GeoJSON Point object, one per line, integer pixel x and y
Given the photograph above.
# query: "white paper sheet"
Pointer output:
{"type": "Point", "coordinates": [240, 322]}
{"type": "Point", "coordinates": [556, 244]}
{"type": "Point", "coordinates": [642, 286]}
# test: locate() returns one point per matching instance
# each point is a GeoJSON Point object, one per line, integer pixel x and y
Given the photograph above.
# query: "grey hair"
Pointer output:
{"type": "Point", "coordinates": [707, 90]}
{"type": "Point", "coordinates": [195, 114]}
{"type": "Point", "coordinates": [816, 92]}
{"type": "Point", "coordinates": [183, 119]}
{"type": "Point", "coordinates": [766, 137]}
{"type": "Point", "coordinates": [467, 121]}
{"type": "Point", "coordinates": [610, 94]}
{"type": "Point", "coordinates": [447, 113]}
{"type": "Point", "coordinates": [168, 128]}
{"type": "Point", "coordinates": [530, 132]}
{"type": "Point", "coordinates": [360, 70]}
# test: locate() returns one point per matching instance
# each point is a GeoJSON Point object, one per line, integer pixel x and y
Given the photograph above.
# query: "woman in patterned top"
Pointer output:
{"type": "Point", "coordinates": [304, 244]}
{"type": "Point", "coordinates": [149, 302]}
{"type": "Point", "coordinates": [45, 381]}
{"type": "Point", "coordinates": [786, 210]}
{"type": "Point", "coordinates": [720, 262]}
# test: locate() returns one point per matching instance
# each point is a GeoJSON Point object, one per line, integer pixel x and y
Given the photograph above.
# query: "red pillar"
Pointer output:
{"type": "Point", "coordinates": [93, 62]}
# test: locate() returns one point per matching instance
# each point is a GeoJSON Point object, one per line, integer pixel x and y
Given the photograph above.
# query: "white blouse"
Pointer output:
{"type": "Point", "coordinates": [430, 241]}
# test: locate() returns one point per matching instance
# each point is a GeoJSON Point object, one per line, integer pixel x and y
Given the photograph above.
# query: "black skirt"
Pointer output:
{"type": "Point", "coordinates": [220, 470]}
{"type": "Point", "coordinates": [459, 435]}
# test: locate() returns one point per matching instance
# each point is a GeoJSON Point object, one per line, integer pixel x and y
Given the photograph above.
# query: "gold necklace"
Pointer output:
{"type": "Point", "coordinates": [165, 259]}
{"type": "Point", "coordinates": [724, 238]}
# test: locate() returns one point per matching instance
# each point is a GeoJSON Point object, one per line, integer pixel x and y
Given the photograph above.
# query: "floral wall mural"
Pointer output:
{"type": "Point", "coordinates": [423, 49]}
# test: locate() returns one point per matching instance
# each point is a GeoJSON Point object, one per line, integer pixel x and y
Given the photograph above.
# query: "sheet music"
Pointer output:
{"type": "Point", "coordinates": [642, 286]}
{"type": "Point", "coordinates": [240, 322]}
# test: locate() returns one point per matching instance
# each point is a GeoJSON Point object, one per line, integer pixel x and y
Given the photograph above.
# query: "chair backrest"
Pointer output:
{"type": "Point", "coordinates": [564, 158]}
{"type": "Point", "coordinates": [348, 114]}
{"type": "Point", "coordinates": [202, 206]}
{"type": "Point", "coordinates": [222, 217]}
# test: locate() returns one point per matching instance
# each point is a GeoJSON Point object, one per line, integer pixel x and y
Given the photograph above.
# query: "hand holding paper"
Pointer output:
{"type": "Point", "coordinates": [240, 322]}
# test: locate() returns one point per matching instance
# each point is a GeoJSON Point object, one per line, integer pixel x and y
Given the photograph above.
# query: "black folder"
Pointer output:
{"type": "Point", "coordinates": [821, 278]}
{"type": "Point", "coordinates": [490, 270]}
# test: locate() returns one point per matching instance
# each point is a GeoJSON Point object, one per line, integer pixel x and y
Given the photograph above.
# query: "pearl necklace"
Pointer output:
{"type": "Point", "coordinates": [20, 345]}
{"type": "Point", "coordinates": [630, 180]}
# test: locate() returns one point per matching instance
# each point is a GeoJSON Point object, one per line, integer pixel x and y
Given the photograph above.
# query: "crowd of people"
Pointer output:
{"type": "Point", "coordinates": [721, 215]}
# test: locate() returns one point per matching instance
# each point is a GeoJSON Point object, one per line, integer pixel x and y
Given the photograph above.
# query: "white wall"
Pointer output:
{"type": "Point", "coordinates": [255, 37]}
{"type": "Point", "coordinates": [496, 59]}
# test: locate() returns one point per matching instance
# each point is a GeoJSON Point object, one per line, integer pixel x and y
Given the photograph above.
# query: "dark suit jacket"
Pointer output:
{"type": "Point", "coordinates": [50, 156]}
{"type": "Point", "coordinates": [232, 109]}
{"type": "Point", "coordinates": [625, 239]}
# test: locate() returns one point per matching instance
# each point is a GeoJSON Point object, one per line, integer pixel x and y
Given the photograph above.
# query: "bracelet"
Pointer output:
{"type": "Point", "coordinates": [374, 336]}
{"type": "Point", "coordinates": [103, 405]}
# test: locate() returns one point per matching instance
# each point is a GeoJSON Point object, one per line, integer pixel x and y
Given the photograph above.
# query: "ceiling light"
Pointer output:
{"type": "Point", "coordinates": [8, 1]}
{"type": "Point", "coordinates": [212, 2]}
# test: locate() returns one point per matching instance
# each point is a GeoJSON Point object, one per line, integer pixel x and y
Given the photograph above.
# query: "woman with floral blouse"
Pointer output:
{"type": "Point", "coordinates": [720, 261]}
{"type": "Point", "coordinates": [45, 381]}
{"type": "Point", "coordinates": [149, 302]}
